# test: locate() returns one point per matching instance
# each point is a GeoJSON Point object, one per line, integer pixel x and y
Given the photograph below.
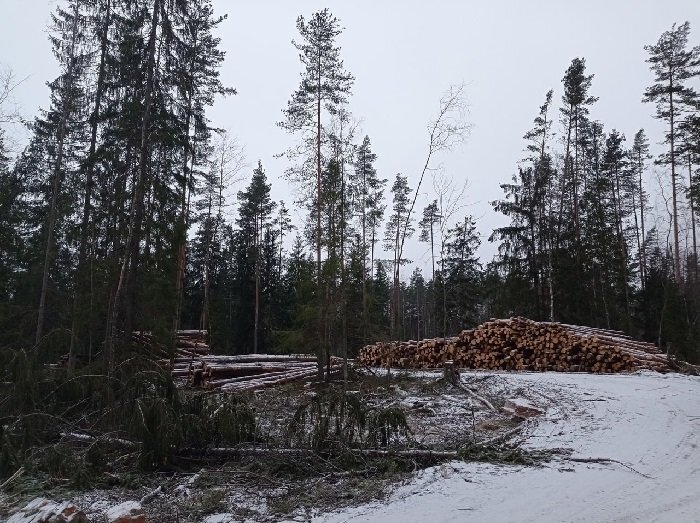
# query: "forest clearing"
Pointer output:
{"type": "Point", "coordinates": [273, 261]}
{"type": "Point", "coordinates": [502, 446]}
{"type": "Point", "coordinates": [257, 438]}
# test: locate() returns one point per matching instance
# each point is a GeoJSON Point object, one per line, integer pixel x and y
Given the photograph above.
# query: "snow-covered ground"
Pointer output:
{"type": "Point", "coordinates": [648, 423]}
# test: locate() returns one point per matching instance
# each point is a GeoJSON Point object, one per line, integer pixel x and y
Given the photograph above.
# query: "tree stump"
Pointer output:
{"type": "Point", "coordinates": [449, 373]}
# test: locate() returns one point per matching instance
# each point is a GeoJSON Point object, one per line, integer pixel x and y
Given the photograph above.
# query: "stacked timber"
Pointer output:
{"type": "Point", "coordinates": [246, 372]}
{"type": "Point", "coordinates": [522, 344]}
{"type": "Point", "coordinates": [191, 343]}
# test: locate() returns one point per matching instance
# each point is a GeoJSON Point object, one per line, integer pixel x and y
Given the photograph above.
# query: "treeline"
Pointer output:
{"type": "Point", "coordinates": [584, 244]}
{"type": "Point", "coordinates": [117, 216]}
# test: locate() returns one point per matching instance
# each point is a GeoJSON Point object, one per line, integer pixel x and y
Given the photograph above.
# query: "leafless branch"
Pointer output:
{"type": "Point", "coordinates": [445, 132]}
{"type": "Point", "coordinates": [9, 112]}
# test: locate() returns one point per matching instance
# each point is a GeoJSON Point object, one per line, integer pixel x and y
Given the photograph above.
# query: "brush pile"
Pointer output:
{"type": "Point", "coordinates": [522, 344]}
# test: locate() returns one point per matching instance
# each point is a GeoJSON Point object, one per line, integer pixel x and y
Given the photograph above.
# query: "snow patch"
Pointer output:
{"type": "Point", "coordinates": [647, 424]}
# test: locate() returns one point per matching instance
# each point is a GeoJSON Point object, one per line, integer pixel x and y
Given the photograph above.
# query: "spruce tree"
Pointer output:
{"type": "Point", "coordinates": [254, 221]}
{"type": "Point", "coordinates": [461, 269]}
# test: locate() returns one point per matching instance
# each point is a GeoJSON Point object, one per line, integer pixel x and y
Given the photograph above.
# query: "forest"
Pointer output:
{"type": "Point", "coordinates": [116, 217]}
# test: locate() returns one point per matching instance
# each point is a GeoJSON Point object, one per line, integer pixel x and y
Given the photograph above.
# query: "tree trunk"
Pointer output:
{"type": "Point", "coordinates": [185, 204]}
{"type": "Point", "coordinates": [676, 242]}
{"type": "Point", "coordinates": [320, 350]}
{"type": "Point", "coordinates": [641, 216]}
{"type": "Point", "coordinates": [89, 175]}
{"type": "Point", "coordinates": [639, 241]}
{"type": "Point", "coordinates": [692, 218]}
{"type": "Point", "coordinates": [343, 274]}
{"type": "Point", "coordinates": [364, 251]}
{"type": "Point", "coordinates": [129, 263]}
{"type": "Point", "coordinates": [204, 318]}
{"type": "Point", "coordinates": [567, 159]}
{"type": "Point", "coordinates": [258, 227]}
{"type": "Point", "coordinates": [67, 96]}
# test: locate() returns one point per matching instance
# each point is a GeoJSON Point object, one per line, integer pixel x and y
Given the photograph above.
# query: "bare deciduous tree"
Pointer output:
{"type": "Point", "coordinates": [447, 130]}
{"type": "Point", "coordinates": [9, 112]}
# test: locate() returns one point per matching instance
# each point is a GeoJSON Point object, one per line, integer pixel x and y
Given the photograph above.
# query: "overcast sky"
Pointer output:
{"type": "Point", "coordinates": [404, 55]}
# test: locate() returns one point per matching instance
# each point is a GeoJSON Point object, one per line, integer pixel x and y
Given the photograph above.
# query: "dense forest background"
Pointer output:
{"type": "Point", "coordinates": [116, 215]}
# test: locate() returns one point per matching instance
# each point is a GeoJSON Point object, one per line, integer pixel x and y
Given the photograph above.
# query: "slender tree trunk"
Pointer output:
{"type": "Point", "coordinates": [130, 261]}
{"type": "Point", "coordinates": [320, 351]}
{"type": "Point", "coordinates": [639, 241]}
{"type": "Point", "coordinates": [67, 108]}
{"type": "Point", "coordinates": [692, 218]}
{"type": "Point", "coordinates": [364, 251]}
{"type": "Point", "coordinates": [641, 217]}
{"type": "Point", "coordinates": [185, 204]}
{"type": "Point", "coordinates": [567, 160]}
{"type": "Point", "coordinates": [676, 242]}
{"type": "Point", "coordinates": [258, 226]}
{"type": "Point", "coordinates": [89, 175]}
{"type": "Point", "coordinates": [204, 318]}
{"type": "Point", "coordinates": [343, 275]}
{"type": "Point", "coordinates": [622, 245]}
{"type": "Point", "coordinates": [577, 226]}
{"type": "Point", "coordinates": [551, 283]}
{"type": "Point", "coordinates": [395, 324]}
{"type": "Point", "coordinates": [279, 264]}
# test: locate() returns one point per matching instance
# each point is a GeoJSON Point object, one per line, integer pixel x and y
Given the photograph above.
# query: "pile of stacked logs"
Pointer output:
{"type": "Point", "coordinates": [188, 343]}
{"type": "Point", "coordinates": [522, 344]}
{"type": "Point", "coordinates": [192, 365]}
{"type": "Point", "coordinates": [246, 372]}
{"type": "Point", "coordinates": [191, 343]}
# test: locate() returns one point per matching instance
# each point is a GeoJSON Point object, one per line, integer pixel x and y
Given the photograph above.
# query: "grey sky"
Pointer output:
{"type": "Point", "coordinates": [404, 54]}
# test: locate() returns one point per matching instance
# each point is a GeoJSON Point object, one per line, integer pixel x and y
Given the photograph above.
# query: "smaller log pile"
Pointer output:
{"type": "Point", "coordinates": [188, 344]}
{"type": "Point", "coordinates": [246, 372]}
{"type": "Point", "coordinates": [522, 344]}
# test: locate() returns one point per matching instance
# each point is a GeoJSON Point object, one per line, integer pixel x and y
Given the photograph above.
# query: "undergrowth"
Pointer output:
{"type": "Point", "coordinates": [125, 430]}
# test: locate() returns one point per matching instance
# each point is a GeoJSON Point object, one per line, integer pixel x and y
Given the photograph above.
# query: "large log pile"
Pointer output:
{"type": "Point", "coordinates": [246, 372]}
{"type": "Point", "coordinates": [522, 344]}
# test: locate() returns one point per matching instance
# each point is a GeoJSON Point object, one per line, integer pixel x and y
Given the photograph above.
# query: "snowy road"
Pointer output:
{"type": "Point", "coordinates": [649, 422]}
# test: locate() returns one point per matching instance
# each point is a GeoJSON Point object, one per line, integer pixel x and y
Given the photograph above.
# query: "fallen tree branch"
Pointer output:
{"type": "Point", "coordinates": [87, 438]}
{"type": "Point", "coordinates": [405, 453]}
{"type": "Point", "coordinates": [476, 396]}
{"type": "Point", "coordinates": [607, 460]}
{"type": "Point", "coordinates": [14, 476]}
{"type": "Point", "coordinates": [501, 437]}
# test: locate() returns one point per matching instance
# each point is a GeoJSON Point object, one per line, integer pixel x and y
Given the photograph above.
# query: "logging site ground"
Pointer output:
{"type": "Point", "coordinates": [532, 447]}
